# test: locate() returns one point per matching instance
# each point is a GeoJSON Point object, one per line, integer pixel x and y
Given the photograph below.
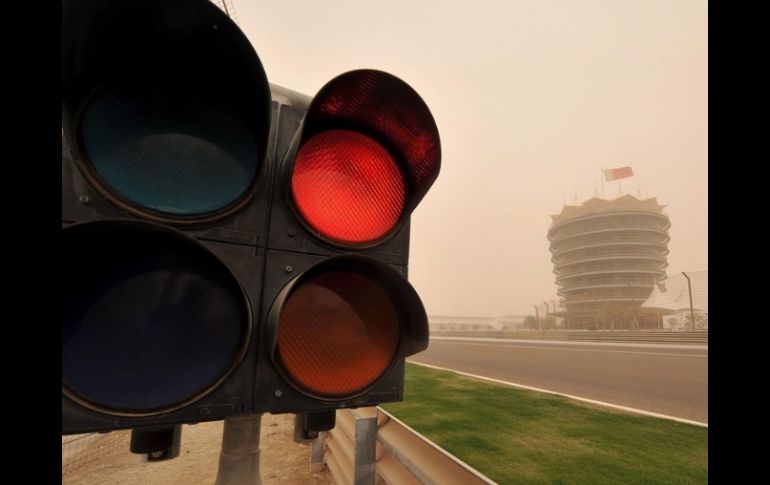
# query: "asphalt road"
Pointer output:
{"type": "Point", "coordinates": [661, 378]}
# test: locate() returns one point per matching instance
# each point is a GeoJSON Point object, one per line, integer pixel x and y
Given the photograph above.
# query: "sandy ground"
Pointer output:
{"type": "Point", "coordinates": [104, 459]}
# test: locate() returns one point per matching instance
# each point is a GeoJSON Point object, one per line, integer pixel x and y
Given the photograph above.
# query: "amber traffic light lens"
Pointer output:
{"type": "Point", "coordinates": [338, 334]}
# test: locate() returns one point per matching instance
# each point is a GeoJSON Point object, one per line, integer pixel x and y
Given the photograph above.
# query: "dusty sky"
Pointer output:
{"type": "Point", "coordinates": [532, 99]}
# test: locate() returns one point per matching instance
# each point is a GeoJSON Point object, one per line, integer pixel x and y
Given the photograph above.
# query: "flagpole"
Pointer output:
{"type": "Point", "coordinates": [601, 170]}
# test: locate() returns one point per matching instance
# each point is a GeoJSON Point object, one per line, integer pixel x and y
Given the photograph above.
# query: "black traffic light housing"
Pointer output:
{"type": "Point", "coordinates": [381, 120]}
{"type": "Point", "coordinates": [204, 273]}
{"type": "Point", "coordinates": [157, 327]}
{"type": "Point", "coordinates": [145, 84]}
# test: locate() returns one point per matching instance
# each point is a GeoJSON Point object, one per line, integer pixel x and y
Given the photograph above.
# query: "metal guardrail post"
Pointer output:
{"type": "Point", "coordinates": [317, 448]}
{"type": "Point", "coordinates": [370, 446]}
{"type": "Point", "coordinates": [239, 458]}
{"type": "Point", "coordinates": [366, 448]}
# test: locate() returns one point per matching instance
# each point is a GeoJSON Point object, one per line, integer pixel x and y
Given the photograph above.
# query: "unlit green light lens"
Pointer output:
{"type": "Point", "coordinates": [169, 149]}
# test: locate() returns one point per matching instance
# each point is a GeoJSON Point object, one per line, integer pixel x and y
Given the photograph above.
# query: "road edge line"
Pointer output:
{"type": "Point", "coordinates": [570, 396]}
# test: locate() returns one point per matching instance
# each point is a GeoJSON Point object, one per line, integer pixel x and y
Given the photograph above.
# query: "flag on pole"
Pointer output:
{"type": "Point", "coordinates": [617, 173]}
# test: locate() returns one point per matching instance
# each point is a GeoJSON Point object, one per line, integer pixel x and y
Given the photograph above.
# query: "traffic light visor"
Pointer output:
{"type": "Point", "coordinates": [368, 152]}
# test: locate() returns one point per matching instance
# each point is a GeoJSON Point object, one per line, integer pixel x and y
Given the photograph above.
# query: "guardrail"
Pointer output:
{"type": "Point", "coordinates": [645, 336]}
{"type": "Point", "coordinates": [370, 446]}
{"type": "Point", "coordinates": [694, 337]}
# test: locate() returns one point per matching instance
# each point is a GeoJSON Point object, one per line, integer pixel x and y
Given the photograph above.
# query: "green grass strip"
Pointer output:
{"type": "Point", "coordinates": [518, 436]}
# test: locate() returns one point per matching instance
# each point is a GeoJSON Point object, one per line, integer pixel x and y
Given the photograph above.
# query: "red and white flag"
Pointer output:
{"type": "Point", "coordinates": [617, 173]}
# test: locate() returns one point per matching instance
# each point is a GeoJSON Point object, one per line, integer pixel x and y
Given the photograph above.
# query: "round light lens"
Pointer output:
{"type": "Point", "coordinates": [338, 333]}
{"type": "Point", "coordinates": [347, 187]}
{"type": "Point", "coordinates": [177, 151]}
{"type": "Point", "coordinates": [150, 319]}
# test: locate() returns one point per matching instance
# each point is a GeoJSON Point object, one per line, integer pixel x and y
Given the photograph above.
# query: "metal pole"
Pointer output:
{"type": "Point", "coordinates": [317, 448]}
{"type": "Point", "coordinates": [692, 311]}
{"type": "Point", "coordinates": [554, 309]}
{"type": "Point", "coordinates": [239, 458]}
{"type": "Point", "coordinates": [537, 316]}
{"type": "Point", "coordinates": [366, 449]}
{"type": "Point", "coordinates": [546, 313]}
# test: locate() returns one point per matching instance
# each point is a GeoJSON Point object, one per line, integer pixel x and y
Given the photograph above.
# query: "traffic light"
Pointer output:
{"type": "Point", "coordinates": [165, 130]}
{"type": "Point", "coordinates": [229, 246]}
{"type": "Point", "coordinates": [338, 314]}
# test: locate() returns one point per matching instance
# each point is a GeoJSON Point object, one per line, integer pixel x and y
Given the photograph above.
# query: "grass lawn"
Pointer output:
{"type": "Point", "coordinates": [519, 436]}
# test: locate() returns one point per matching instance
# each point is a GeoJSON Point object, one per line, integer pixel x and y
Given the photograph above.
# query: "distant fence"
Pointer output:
{"type": "Point", "coordinates": [88, 450]}
{"type": "Point", "coordinates": [401, 455]}
{"type": "Point", "coordinates": [642, 336]}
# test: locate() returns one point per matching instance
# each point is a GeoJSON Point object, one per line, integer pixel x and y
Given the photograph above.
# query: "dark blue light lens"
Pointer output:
{"type": "Point", "coordinates": [150, 319]}
{"type": "Point", "coordinates": [169, 148]}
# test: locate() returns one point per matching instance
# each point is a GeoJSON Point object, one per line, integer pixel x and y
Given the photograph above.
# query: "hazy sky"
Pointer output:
{"type": "Point", "coordinates": [532, 98]}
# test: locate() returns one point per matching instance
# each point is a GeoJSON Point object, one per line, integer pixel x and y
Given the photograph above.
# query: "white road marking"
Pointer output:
{"type": "Point", "coordinates": [578, 398]}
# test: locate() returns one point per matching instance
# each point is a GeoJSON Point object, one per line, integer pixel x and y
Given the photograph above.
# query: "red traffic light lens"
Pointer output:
{"type": "Point", "coordinates": [347, 187]}
{"type": "Point", "coordinates": [338, 333]}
